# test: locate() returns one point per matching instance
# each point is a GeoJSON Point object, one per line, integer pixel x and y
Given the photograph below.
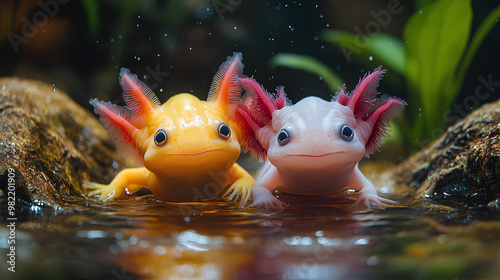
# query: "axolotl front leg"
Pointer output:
{"type": "Point", "coordinates": [367, 192]}
{"type": "Point", "coordinates": [267, 181]}
{"type": "Point", "coordinates": [126, 182]}
{"type": "Point", "coordinates": [241, 185]}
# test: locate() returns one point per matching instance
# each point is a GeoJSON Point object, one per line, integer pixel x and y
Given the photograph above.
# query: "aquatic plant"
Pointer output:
{"type": "Point", "coordinates": [433, 57]}
{"type": "Point", "coordinates": [309, 64]}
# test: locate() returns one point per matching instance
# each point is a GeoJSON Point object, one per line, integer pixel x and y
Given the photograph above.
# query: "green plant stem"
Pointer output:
{"type": "Point", "coordinates": [308, 64]}
{"type": "Point", "coordinates": [90, 7]}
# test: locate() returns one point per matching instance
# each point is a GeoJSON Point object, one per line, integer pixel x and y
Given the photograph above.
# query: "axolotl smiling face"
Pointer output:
{"type": "Point", "coordinates": [188, 135]}
{"type": "Point", "coordinates": [315, 135]}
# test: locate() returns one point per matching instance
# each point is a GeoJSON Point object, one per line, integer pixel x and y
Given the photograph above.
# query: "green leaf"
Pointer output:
{"type": "Point", "coordinates": [90, 7]}
{"type": "Point", "coordinates": [382, 47]}
{"type": "Point", "coordinates": [308, 64]}
{"type": "Point", "coordinates": [436, 38]}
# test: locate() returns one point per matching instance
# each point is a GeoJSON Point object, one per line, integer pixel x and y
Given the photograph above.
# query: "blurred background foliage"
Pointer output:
{"type": "Point", "coordinates": [177, 45]}
{"type": "Point", "coordinates": [433, 57]}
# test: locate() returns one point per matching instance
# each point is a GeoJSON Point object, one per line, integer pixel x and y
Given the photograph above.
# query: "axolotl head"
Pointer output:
{"type": "Point", "coordinates": [315, 134]}
{"type": "Point", "coordinates": [184, 136]}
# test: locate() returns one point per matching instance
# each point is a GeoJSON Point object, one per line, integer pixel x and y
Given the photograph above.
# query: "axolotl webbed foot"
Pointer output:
{"type": "Point", "coordinates": [105, 192]}
{"type": "Point", "coordinates": [370, 201]}
{"type": "Point", "coordinates": [263, 198]}
{"type": "Point", "coordinates": [241, 188]}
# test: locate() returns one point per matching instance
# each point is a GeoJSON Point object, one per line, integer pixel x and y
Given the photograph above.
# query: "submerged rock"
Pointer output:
{"type": "Point", "coordinates": [459, 169]}
{"type": "Point", "coordinates": [49, 144]}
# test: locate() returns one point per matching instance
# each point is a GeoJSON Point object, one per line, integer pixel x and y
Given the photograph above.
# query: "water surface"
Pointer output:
{"type": "Point", "coordinates": [141, 238]}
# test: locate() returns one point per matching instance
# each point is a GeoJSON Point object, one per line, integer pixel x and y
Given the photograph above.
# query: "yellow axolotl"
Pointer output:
{"type": "Point", "coordinates": [188, 147]}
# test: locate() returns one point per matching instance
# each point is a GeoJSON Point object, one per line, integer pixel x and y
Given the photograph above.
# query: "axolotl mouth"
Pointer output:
{"type": "Point", "coordinates": [322, 155]}
{"type": "Point", "coordinates": [198, 154]}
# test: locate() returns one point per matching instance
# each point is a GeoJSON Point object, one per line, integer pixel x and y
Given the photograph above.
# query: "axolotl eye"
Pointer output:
{"type": "Point", "coordinates": [346, 132]}
{"type": "Point", "coordinates": [161, 137]}
{"type": "Point", "coordinates": [283, 137]}
{"type": "Point", "coordinates": [224, 131]}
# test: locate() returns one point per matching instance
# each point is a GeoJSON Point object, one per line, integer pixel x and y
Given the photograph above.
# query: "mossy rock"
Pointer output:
{"type": "Point", "coordinates": [52, 143]}
{"type": "Point", "coordinates": [460, 169]}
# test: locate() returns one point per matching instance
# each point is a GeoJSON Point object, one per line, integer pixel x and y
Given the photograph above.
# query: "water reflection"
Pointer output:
{"type": "Point", "coordinates": [219, 241]}
{"type": "Point", "coordinates": [148, 239]}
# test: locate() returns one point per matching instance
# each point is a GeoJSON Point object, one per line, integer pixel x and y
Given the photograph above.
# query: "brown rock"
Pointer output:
{"type": "Point", "coordinates": [459, 169]}
{"type": "Point", "coordinates": [52, 144]}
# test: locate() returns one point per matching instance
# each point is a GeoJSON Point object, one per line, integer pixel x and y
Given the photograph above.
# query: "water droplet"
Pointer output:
{"type": "Point", "coordinates": [132, 240]}
{"type": "Point", "coordinates": [3, 87]}
{"type": "Point", "coordinates": [53, 88]}
{"type": "Point", "coordinates": [235, 28]}
{"type": "Point", "coordinates": [120, 36]}
{"type": "Point", "coordinates": [373, 260]}
{"type": "Point", "coordinates": [370, 58]}
{"type": "Point", "coordinates": [420, 11]}
{"type": "Point", "coordinates": [327, 25]}
{"type": "Point", "coordinates": [161, 90]}
{"type": "Point", "coordinates": [112, 40]}
{"type": "Point", "coordinates": [321, 16]}
{"type": "Point", "coordinates": [159, 250]}
{"type": "Point", "coordinates": [316, 38]}
{"type": "Point", "coordinates": [114, 249]}
{"type": "Point", "coordinates": [138, 16]}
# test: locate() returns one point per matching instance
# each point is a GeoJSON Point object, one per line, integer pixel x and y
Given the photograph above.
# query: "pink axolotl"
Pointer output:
{"type": "Point", "coordinates": [314, 146]}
